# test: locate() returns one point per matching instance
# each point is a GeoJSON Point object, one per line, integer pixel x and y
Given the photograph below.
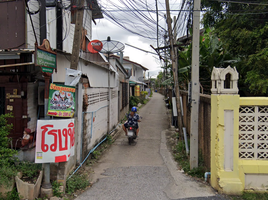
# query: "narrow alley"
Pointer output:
{"type": "Point", "coordinates": [144, 170]}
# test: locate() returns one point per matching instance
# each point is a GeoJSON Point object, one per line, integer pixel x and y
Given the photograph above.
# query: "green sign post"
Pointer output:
{"type": "Point", "coordinates": [46, 69]}
{"type": "Point", "coordinates": [45, 57]}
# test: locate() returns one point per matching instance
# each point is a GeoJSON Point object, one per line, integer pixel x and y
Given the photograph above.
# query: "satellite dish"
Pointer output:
{"type": "Point", "coordinates": [111, 46]}
{"type": "Point", "coordinates": [141, 79]}
{"type": "Point", "coordinates": [94, 46]}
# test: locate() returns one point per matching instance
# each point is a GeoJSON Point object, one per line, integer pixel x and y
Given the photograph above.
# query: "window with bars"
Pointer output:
{"type": "Point", "coordinates": [124, 94]}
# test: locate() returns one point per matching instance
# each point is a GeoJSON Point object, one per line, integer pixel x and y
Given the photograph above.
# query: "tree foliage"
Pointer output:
{"type": "Point", "coordinates": [212, 54]}
{"type": "Point", "coordinates": [243, 30]}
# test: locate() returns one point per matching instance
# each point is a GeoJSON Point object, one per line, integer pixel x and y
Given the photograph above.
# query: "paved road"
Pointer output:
{"type": "Point", "coordinates": [145, 170]}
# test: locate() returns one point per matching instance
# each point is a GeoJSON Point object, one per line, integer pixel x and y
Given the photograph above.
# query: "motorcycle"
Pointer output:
{"type": "Point", "coordinates": [131, 134]}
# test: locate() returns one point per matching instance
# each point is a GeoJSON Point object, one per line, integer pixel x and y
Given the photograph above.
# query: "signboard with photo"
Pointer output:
{"type": "Point", "coordinates": [54, 140]}
{"type": "Point", "coordinates": [61, 100]}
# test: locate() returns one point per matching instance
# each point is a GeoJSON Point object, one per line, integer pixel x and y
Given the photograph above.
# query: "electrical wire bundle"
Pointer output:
{"type": "Point", "coordinates": [140, 17]}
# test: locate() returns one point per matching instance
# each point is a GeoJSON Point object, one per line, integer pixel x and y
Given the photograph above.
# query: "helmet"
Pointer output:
{"type": "Point", "coordinates": [134, 109]}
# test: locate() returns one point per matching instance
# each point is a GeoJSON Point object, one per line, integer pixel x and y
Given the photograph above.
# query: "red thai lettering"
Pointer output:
{"type": "Point", "coordinates": [53, 147]}
{"type": "Point", "coordinates": [60, 137]}
{"type": "Point", "coordinates": [65, 135]}
{"type": "Point", "coordinates": [71, 134]}
{"type": "Point", "coordinates": [44, 146]}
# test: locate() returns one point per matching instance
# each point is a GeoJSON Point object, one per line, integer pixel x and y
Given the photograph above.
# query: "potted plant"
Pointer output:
{"type": "Point", "coordinates": [7, 159]}
{"type": "Point", "coordinates": [28, 180]}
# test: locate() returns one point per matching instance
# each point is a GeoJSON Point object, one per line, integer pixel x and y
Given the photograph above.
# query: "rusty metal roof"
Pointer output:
{"type": "Point", "coordinates": [96, 10]}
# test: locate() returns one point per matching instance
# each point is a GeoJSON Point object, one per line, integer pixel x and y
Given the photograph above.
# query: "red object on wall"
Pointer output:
{"type": "Point", "coordinates": [60, 158]}
{"type": "Point", "coordinates": [94, 46]}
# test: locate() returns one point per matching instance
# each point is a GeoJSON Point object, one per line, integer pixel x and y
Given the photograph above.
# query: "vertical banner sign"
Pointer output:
{"type": "Point", "coordinates": [61, 100]}
{"type": "Point", "coordinates": [137, 91]}
{"type": "Point", "coordinates": [54, 140]}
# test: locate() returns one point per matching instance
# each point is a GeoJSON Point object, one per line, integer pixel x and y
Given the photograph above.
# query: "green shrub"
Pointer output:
{"type": "Point", "coordinates": [109, 139]}
{"type": "Point", "coordinates": [56, 189]}
{"type": "Point", "coordinates": [96, 154]}
{"type": "Point", "coordinates": [133, 101]}
{"type": "Point", "coordinates": [30, 171]}
{"type": "Point", "coordinates": [182, 158]}
{"type": "Point", "coordinates": [7, 173]}
{"type": "Point", "coordinates": [144, 101]}
{"type": "Point", "coordinates": [76, 182]}
{"type": "Point", "coordinates": [254, 196]}
{"type": "Point", "coordinates": [12, 195]}
{"type": "Point", "coordinates": [7, 159]}
{"type": "Point", "coordinates": [144, 93]}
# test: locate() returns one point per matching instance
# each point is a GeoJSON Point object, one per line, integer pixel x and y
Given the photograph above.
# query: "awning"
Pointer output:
{"type": "Point", "coordinates": [132, 82]}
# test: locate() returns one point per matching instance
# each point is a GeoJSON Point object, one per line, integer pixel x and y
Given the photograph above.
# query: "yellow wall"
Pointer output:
{"type": "Point", "coordinates": [224, 181]}
{"type": "Point", "coordinates": [232, 181]}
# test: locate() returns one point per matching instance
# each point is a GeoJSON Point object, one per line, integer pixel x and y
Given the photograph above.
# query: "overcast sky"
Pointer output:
{"type": "Point", "coordinates": [106, 28]}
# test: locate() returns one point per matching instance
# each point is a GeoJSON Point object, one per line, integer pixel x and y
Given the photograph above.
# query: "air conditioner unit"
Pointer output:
{"type": "Point", "coordinates": [41, 95]}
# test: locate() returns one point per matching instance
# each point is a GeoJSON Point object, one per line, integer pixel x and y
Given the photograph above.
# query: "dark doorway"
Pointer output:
{"type": "Point", "coordinates": [2, 100]}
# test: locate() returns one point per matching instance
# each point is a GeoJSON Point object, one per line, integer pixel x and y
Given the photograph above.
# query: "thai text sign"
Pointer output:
{"type": "Point", "coordinates": [61, 100]}
{"type": "Point", "coordinates": [54, 140]}
{"type": "Point", "coordinates": [44, 58]}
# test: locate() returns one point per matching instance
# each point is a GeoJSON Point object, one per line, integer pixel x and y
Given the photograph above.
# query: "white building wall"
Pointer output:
{"type": "Point", "coordinates": [51, 23]}
{"type": "Point", "coordinates": [114, 108]}
{"type": "Point", "coordinates": [30, 39]}
{"type": "Point", "coordinates": [139, 73]}
{"type": "Point", "coordinates": [98, 76]}
{"type": "Point", "coordinates": [94, 129]}
{"type": "Point", "coordinates": [62, 64]}
{"type": "Point", "coordinates": [87, 23]}
{"type": "Point", "coordinates": [68, 29]}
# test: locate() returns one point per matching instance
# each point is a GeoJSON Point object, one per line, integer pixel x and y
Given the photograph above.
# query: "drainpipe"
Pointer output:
{"type": "Point", "coordinates": [206, 176]}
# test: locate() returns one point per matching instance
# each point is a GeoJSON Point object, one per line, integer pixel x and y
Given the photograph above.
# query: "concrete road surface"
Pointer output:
{"type": "Point", "coordinates": [145, 170]}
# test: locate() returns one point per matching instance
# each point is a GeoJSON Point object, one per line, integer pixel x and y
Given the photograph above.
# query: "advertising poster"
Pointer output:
{"type": "Point", "coordinates": [61, 100]}
{"type": "Point", "coordinates": [54, 140]}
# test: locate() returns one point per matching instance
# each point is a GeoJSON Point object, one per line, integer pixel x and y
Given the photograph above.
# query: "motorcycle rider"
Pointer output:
{"type": "Point", "coordinates": [133, 119]}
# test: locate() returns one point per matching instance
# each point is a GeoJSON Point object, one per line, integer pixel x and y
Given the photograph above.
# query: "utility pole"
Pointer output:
{"type": "Point", "coordinates": [174, 67]}
{"type": "Point", "coordinates": [165, 68]}
{"type": "Point", "coordinates": [195, 87]}
{"type": "Point", "coordinates": [77, 34]}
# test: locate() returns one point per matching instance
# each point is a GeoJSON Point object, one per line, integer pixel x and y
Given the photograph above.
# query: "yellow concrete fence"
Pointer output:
{"type": "Point", "coordinates": [239, 143]}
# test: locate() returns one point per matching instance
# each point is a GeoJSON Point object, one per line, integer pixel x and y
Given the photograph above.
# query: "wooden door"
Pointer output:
{"type": "Point", "coordinates": [16, 104]}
